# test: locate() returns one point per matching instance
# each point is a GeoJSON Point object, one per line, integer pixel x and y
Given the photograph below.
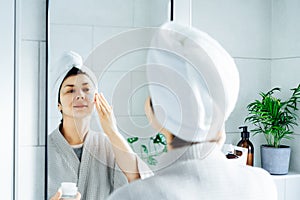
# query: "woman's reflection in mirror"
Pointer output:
{"type": "Point", "coordinates": [98, 162]}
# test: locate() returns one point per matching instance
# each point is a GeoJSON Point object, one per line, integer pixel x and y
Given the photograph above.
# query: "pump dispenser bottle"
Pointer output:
{"type": "Point", "coordinates": [246, 143]}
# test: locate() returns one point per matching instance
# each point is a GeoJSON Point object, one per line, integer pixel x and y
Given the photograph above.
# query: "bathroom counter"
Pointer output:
{"type": "Point", "coordinates": [287, 176]}
{"type": "Point", "coordinates": [288, 186]}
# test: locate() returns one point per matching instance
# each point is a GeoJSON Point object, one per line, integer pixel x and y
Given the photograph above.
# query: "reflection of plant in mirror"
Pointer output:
{"type": "Point", "coordinates": [158, 143]}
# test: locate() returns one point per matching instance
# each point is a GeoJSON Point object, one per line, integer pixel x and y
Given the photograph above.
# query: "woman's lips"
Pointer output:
{"type": "Point", "coordinates": [80, 106]}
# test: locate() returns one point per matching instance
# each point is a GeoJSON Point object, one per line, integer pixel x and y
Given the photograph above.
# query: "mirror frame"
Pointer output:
{"type": "Point", "coordinates": [47, 7]}
{"type": "Point", "coordinates": [46, 99]}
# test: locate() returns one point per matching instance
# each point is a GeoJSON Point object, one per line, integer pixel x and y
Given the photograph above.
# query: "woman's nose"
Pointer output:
{"type": "Point", "coordinates": [80, 95]}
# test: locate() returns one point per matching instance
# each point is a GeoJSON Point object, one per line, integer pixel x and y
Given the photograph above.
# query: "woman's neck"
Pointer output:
{"type": "Point", "coordinates": [75, 130]}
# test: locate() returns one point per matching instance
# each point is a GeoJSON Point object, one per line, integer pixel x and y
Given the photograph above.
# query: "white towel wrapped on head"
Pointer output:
{"type": "Point", "coordinates": [193, 82]}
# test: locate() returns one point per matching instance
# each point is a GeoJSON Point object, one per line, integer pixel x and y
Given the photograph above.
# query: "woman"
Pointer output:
{"type": "Point", "coordinates": [98, 162]}
{"type": "Point", "coordinates": [191, 96]}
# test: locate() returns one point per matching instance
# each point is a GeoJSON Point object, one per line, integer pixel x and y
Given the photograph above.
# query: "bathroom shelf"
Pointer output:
{"type": "Point", "coordinates": [286, 176]}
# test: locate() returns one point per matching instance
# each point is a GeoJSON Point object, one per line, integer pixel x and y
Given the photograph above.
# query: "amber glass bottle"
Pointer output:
{"type": "Point", "coordinates": [246, 143]}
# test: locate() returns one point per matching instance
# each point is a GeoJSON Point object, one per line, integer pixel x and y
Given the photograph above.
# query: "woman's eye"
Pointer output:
{"type": "Point", "coordinates": [71, 91]}
{"type": "Point", "coordinates": [86, 89]}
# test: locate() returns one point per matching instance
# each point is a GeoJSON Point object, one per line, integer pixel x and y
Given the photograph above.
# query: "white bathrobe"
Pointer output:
{"type": "Point", "coordinates": [97, 175]}
{"type": "Point", "coordinates": [196, 176]}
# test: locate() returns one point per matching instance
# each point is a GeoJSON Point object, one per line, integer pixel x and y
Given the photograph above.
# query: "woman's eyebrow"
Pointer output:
{"type": "Point", "coordinates": [69, 85]}
{"type": "Point", "coordinates": [72, 85]}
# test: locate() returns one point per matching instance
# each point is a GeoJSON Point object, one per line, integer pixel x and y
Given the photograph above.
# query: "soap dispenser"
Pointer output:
{"type": "Point", "coordinates": [246, 143]}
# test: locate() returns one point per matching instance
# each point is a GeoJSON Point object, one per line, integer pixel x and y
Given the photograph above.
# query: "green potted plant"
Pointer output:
{"type": "Point", "coordinates": [275, 119]}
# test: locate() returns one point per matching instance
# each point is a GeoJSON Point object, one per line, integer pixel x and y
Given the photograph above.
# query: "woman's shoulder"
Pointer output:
{"type": "Point", "coordinates": [54, 133]}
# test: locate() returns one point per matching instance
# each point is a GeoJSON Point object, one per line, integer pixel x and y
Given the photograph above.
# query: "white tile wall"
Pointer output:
{"type": "Point", "coordinates": [133, 126]}
{"type": "Point", "coordinates": [150, 13]}
{"type": "Point", "coordinates": [116, 88]}
{"type": "Point", "coordinates": [30, 97]}
{"type": "Point", "coordinates": [28, 101]}
{"type": "Point", "coordinates": [142, 13]}
{"type": "Point", "coordinates": [114, 13]}
{"type": "Point", "coordinates": [130, 61]}
{"type": "Point", "coordinates": [70, 37]}
{"type": "Point", "coordinates": [243, 28]}
{"type": "Point", "coordinates": [140, 92]}
{"type": "Point", "coordinates": [31, 172]}
{"type": "Point", "coordinates": [285, 28]}
{"type": "Point", "coordinates": [72, 12]}
{"type": "Point", "coordinates": [7, 11]}
{"type": "Point", "coordinates": [103, 33]}
{"type": "Point", "coordinates": [284, 74]}
{"type": "Point", "coordinates": [93, 12]}
{"type": "Point", "coordinates": [33, 19]}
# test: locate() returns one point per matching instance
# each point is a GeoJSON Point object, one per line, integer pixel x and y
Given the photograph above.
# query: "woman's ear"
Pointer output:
{"type": "Point", "coordinates": [149, 110]}
{"type": "Point", "coordinates": [151, 115]}
{"type": "Point", "coordinates": [59, 107]}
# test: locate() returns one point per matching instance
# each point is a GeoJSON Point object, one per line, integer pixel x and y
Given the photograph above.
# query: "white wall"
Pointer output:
{"type": "Point", "coordinates": [7, 98]}
{"type": "Point", "coordinates": [31, 17]}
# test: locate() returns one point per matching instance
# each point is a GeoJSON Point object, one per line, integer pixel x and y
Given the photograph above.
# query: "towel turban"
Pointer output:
{"type": "Point", "coordinates": [193, 82]}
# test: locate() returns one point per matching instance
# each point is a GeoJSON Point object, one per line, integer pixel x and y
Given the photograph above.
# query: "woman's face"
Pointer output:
{"type": "Point", "coordinates": [76, 96]}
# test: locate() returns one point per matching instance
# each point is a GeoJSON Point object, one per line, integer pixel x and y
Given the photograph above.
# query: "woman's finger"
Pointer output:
{"type": "Point", "coordinates": [57, 195]}
{"type": "Point", "coordinates": [95, 94]}
{"type": "Point", "coordinates": [102, 110]}
{"type": "Point", "coordinates": [78, 196]}
{"type": "Point", "coordinates": [98, 106]}
{"type": "Point", "coordinates": [101, 104]}
{"type": "Point", "coordinates": [104, 102]}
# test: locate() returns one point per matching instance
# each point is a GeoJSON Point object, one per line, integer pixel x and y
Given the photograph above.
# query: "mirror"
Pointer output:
{"type": "Point", "coordinates": [82, 26]}
{"type": "Point", "coordinates": [260, 35]}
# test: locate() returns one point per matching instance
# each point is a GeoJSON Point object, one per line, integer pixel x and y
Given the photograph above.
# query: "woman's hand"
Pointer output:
{"type": "Point", "coordinates": [106, 115]}
{"type": "Point", "coordinates": [58, 195]}
{"type": "Point", "coordinates": [125, 157]}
